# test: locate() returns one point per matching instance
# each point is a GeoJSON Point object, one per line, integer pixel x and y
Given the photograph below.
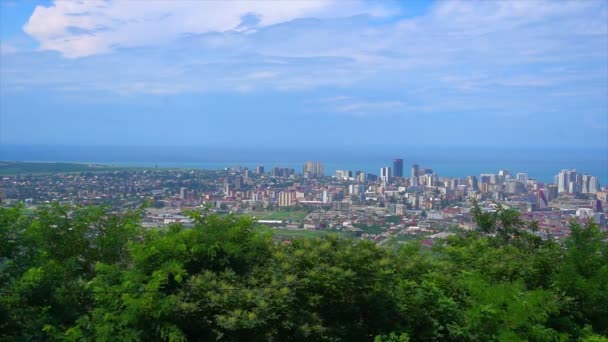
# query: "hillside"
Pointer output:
{"type": "Point", "coordinates": [88, 274]}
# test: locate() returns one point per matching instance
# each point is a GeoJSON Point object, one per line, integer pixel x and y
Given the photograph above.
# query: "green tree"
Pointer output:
{"type": "Point", "coordinates": [73, 273]}
{"type": "Point", "coordinates": [583, 278]}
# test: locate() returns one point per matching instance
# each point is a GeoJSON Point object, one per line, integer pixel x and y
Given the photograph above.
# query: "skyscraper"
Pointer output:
{"type": "Point", "coordinates": [513, 186]}
{"type": "Point", "coordinates": [431, 180]}
{"type": "Point", "coordinates": [541, 199]}
{"type": "Point", "coordinates": [562, 181]}
{"type": "Point", "coordinates": [594, 184]}
{"type": "Point", "coordinates": [522, 177]}
{"type": "Point", "coordinates": [572, 182]}
{"type": "Point", "coordinates": [472, 183]}
{"type": "Point", "coordinates": [343, 174]}
{"type": "Point", "coordinates": [275, 172]}
{"type": "Point", "coordinates": [238, 182]}
{"type": "Point", "coordinates": [361, 176]}
{"type": "Point", "coordinates": [415, 169]}
{"type": "Point", "coordinates": [385, 174]}
{"type": "Point", "coordinates": [313, 169]}
{"type": "Point", "coordinates": [414, 175]}
{"type": "Point", "coordinates": [259, 169]}
{"type": "Point", "coordinates": [552, 192]}
{"type": "Point", "coordinates": [589, 184]}
{"type": "Point", "coordinates": [398, 167]}
{"type": "Point", "coordinates": [585, 184]}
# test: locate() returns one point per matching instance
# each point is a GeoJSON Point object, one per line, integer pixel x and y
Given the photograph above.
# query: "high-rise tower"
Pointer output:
{"type": "Point", "coordinates": [414, 179]}
{"type": "Point", "coordinates": [385, 174]}
{"type": "Point", "coordinates": [398, 167]}
{"type": "Point", "coordinates": [313, 169]}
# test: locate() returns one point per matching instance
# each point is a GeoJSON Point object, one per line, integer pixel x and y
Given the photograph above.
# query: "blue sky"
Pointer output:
{"type": "Point", "coordinates": [304, 73]}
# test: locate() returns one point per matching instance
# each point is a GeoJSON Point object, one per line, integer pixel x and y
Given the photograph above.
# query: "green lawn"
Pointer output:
{"type": "Point", "coordinates": [285, 234]}
{"type": "Point", "coordinates": [282, 215]}
{"type": "Point", "coordinates": [392, 219]}
{"type": "Point", "coordinates": [398, 240]}
{"type": "Point", "coordinates": [371, 229]}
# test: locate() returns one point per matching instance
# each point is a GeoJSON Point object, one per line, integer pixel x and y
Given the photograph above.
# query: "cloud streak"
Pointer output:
{"type": "Point", "coordinates": [460, 56]}
{"type": "Point", "coordinates": [84, 28]}
{"type": "Point", "coordinates": [366, 108]}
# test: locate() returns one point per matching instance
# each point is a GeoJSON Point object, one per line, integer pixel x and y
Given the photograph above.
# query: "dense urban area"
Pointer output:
{"type": "Point", "coordinates": [391, 207]}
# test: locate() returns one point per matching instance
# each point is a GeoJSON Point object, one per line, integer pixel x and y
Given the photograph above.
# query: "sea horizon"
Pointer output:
{"type": "Point", "coordinates": [540, 163]}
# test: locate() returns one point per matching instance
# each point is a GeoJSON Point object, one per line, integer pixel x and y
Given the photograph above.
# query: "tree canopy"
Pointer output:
{"type": "Point", "coordinates": [85, 273]}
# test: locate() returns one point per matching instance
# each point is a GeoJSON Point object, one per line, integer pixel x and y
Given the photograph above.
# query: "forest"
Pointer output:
{"type": "Point", "coordinates": [86, 273]}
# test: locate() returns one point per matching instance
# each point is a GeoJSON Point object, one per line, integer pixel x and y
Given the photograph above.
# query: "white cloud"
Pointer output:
{"type": "Point", "coordinates": [537, 64]}
{"type": "Point", "coordinates": [260, 75]}
{"type": "Point", "coordinates": [369, 107]}
{"type": "Point", "coordinates": [83, 28]}
{"type": "Point", "coordinates": [460, 56]}
{"type": "Point", "coordinates": [333, 99]}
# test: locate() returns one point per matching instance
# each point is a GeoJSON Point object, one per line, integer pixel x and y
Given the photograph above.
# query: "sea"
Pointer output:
{"type": "Point", "coordinates": [541, 164]}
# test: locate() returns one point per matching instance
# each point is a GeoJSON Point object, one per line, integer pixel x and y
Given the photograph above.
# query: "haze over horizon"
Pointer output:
{"type": "Point", "coordinates": [304, 73]}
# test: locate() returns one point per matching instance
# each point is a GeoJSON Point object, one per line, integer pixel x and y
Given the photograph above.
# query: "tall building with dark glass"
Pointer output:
{"type": "Point", "coordinates": [398, 168]}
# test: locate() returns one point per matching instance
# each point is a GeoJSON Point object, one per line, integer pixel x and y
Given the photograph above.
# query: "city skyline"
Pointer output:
{"type": "Point", "coordinates": [455, 161]}
{"type": "Point", "coordinates": [313, 73]}
{"type": "Point", "coordinates": [239, 189]}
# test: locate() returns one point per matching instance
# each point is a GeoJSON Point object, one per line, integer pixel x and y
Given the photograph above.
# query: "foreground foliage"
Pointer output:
{"type": "Point", "coordinates": [87, 274]}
